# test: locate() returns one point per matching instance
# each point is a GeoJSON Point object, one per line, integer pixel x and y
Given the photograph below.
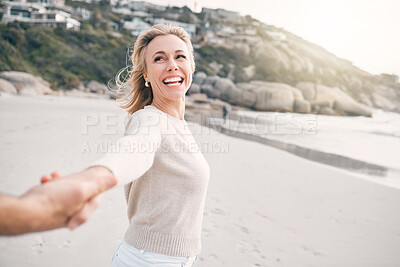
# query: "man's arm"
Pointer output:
{"type": "Point", "coordinates": [53, 204]}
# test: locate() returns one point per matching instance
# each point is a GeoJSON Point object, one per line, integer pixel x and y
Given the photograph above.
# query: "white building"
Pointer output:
{"type": "Point", "coordinates": [188, 27]}
{"type": "Point", "coordinates": [49, 3]}
{"type": "Point", "coordinates": [83, 12]}
{"type": "Point", "coordinates": [145, 6]}
{"type": "Point", "coordinates": [38, 15]}
{"type": "Point", "coordinates": [136, 26]}
{"type": "Point", "coordinates": [221, 14]}
{"type": "Point", "coordinates": [276, 36]}
{"type": "Point", "coordinates": [123, 10]}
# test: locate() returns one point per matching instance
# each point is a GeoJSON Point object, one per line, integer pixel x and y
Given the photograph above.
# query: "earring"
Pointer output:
{"type": "Point", "coordinates": [146, 84]}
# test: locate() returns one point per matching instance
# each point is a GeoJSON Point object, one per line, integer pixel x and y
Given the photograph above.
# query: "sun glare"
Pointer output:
{"type": "Point", "coordinates": [332, 24]}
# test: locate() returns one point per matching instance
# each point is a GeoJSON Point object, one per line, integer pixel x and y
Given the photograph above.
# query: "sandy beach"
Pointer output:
{"type": "Point", "coordinates": [264, 207]}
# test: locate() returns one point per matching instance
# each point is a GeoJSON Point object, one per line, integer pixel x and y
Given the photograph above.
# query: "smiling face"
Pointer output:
{"type": "Point", "coordinates": [168, 68]}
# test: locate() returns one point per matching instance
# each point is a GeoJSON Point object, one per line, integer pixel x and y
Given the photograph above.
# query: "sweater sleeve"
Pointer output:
{"type": "Point", "coordinates": [135, 152]}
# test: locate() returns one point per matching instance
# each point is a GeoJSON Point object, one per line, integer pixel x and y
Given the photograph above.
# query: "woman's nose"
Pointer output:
{"type": "Point", "coordinates": [172, 65]}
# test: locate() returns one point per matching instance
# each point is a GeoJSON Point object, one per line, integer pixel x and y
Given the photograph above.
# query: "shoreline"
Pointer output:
{"type": "Point", "coordinates": [213, 120]}
{"type": "Point", "coordinates": [354, 165]}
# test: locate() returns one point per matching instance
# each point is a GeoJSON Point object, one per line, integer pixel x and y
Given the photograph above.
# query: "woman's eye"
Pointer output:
{"type": "Point", "coordinates": [158, 59]}
{"type": "Point", "coordinates": [181, 56]}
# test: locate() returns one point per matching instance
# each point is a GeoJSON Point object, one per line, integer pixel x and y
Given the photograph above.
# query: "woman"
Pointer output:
{"type": "Point", "coordinates": [165, 173]}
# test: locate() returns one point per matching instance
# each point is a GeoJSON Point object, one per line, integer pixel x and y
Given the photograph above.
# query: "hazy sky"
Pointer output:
{"type": "Point", "coordinates": [366, 32]}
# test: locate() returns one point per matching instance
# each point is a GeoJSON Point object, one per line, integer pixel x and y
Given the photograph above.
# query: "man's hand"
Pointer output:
{"type": "Point", "coordinates": [65, 201]}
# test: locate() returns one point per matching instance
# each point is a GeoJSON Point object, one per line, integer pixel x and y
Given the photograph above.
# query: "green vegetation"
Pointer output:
{"type": "Point", "coordinates": [63, 57]}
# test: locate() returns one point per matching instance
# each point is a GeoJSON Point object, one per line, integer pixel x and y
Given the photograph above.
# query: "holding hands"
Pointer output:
{"type": "Point", "coordinates": [58, 202]}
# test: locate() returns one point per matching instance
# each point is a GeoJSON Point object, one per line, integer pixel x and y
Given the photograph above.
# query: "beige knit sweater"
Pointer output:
{"type": "Point", "coordinates": [166, 178]}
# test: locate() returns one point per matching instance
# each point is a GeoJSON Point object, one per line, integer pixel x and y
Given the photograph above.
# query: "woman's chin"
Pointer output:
{"type": "Point", "coordinates": [176, 94]}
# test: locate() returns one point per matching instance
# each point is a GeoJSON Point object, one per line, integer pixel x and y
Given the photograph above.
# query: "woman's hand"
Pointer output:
{"type": "Point", "coordinates": [47, 178]}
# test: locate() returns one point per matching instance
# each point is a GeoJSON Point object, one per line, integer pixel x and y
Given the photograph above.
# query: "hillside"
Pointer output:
{"type": "Point", "coordinates": [249, 52]}
{"type": "Point", "coordinates": [65, 58]}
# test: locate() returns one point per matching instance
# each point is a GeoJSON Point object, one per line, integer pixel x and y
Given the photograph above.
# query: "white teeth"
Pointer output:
{"type": "Point", "coordinates": [173, 84]}
{"type": "Point", "coordinates": [174, 79]}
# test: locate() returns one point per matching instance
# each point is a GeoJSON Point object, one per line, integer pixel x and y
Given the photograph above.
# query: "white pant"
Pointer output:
{"type": "Point", "coordinates": [128, 256]}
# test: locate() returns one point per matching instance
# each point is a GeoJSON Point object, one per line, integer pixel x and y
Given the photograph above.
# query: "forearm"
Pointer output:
{"type": "Point", "coordinates": [15, 217]}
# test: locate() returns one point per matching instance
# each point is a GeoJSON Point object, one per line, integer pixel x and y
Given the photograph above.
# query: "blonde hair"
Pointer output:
{"type": "Point", "coordinates": [133, 95]}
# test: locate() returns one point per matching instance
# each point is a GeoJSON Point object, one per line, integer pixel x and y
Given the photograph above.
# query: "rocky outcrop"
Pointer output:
{"type": "Point", "coordinates": [6, 86]}
{"type": "Point", "coordinates": [385, 97]}
{"type": "Point", "coordinates": [273, 96]}
{"type": "Point", "coordinates": [308, 90]}
{"type": "Point", "coordinates": [259, 95]}
{"type": "Point", "coordinates": [332, 100]}
{"type": "Point", "coordinates": [96, 87]}
{"type": "Point", "coordinates": [294, 59]}
{"type": "Point", "coordinates": [302, 106]}
{"type": "Point", "coordinates": [26, 83]}
{"type": "Point", "coordinates": [347, 105]}
{"type": "Point", "coordinates": [306, 97]}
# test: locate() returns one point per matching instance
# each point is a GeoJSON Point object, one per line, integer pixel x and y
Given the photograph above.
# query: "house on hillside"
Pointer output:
{"type": "Point", "coordinates": [49, 3]}
{"type": "Point", "coordinates": [136, 26]}
{"type": "Point", "coordinates": [37, 14]}
{"type": "Point", "coordinates": [122, 10]}
{"type": "Point", "coordinates": [83, 12]}
{"type": "Point", "coordinates": [221, 14]}
{"type": "Point", "coordinates": [274, 34]}
{"type": "Point", "coordinates": [137, 5]}
{"type": "Point", "coordinates": [214, 36]}
{"type": "Point", "coordinates": [145, 6]}
{"type": "Point", "coordinates": [188, 27]}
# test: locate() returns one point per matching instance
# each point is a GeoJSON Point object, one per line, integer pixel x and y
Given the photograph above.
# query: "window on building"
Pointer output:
{"type": "Point", "coordinates": [51, 16]}
{"type": "Point", "coordinates": [14, 12]}
{"type": "Point", "coordinates": [26, 14]}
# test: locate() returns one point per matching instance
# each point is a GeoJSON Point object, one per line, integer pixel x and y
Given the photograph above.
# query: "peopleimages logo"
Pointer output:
{"type": "Point", "coordinates": [257, 124]}
{"type": "Point", "coordinates": [110, 123]}
{"type": "Point", "coordinates": [273, 124]}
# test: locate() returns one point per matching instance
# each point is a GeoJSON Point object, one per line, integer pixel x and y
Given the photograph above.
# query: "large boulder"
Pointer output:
{"type": "Point", "coordinates": [26, 83]}
{"type": "Point", "coordinates": [194, 89]}
{"type": "Point", "coordinates": [308, 90]}
{"type": "Point", "coordinates": [274, 58]}
{"type": "Point", "coordinates": [324, 93]}
{"type": "Point", "coordinates": [273, 99]}
{"type": "Point", "coordinates": [273, 96]}
{"type": "Point", "coordinates": [96, 87]}
{"type": "Point", "coordinates": [302, 106]}
{"type": "Point", "coordinates": [382, 102]}
{"type": "Point", "coordinates": [228, 90]}
{"type": "Point", "coordinates": [386, 97]}
{"type": "Point", "coordinates": [199, 98]}
{"type": "Point", "coordinates": [346, 104]}
{"type": "Point", "coordinates": [6, 86]}
{"type": "Point", "coordinates": [208, 87]}
{"type": "Point", "coordinates": [248, 96]}
{"type": "Point", "coordinates": [250, 71]}
{"type": "Point", "coordinates": [199, 77]}
{"type": "Point", "coordinates": [332, 100]}
{"type": "Point", "coordinates": [328, 111]}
